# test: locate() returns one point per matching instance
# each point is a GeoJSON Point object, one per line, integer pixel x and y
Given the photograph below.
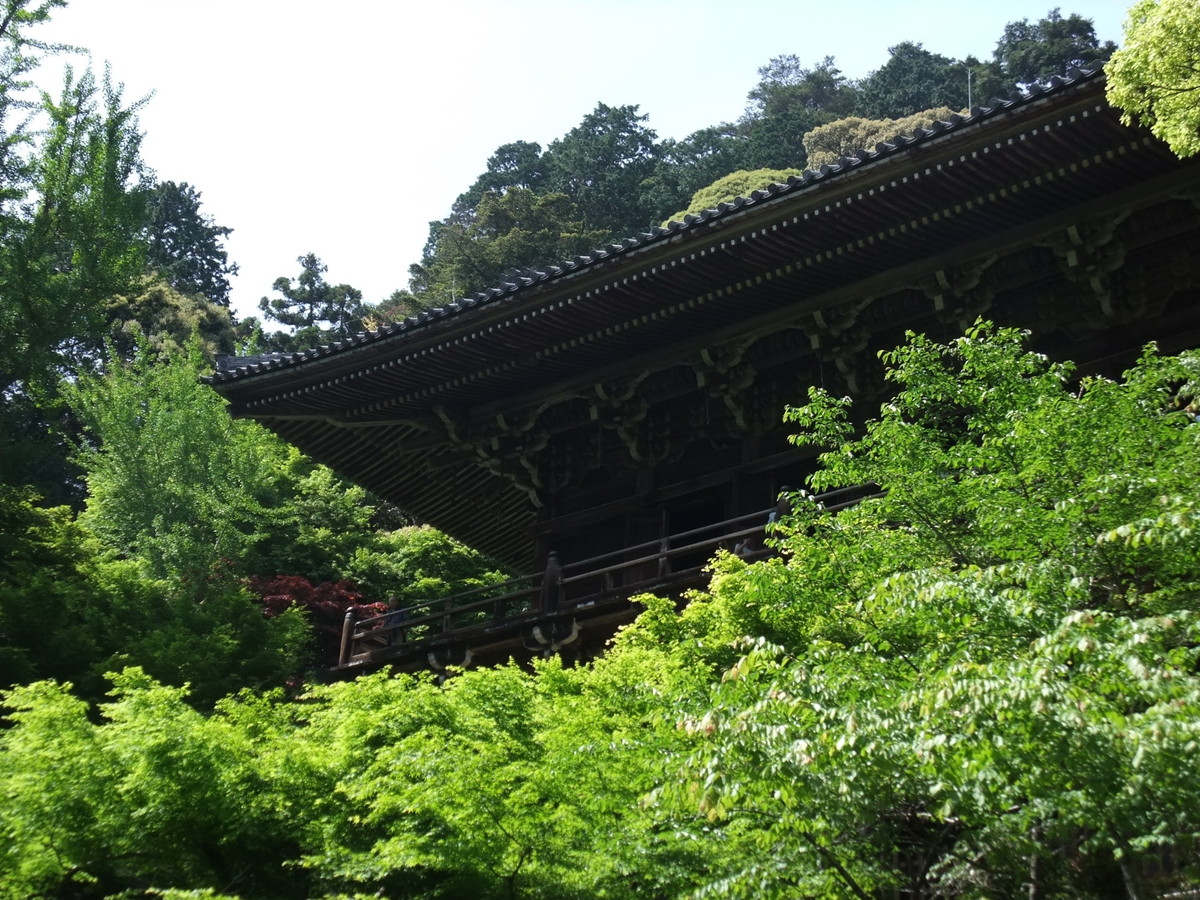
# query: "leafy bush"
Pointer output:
{"type": "Point", "coordinates": [984, 682]}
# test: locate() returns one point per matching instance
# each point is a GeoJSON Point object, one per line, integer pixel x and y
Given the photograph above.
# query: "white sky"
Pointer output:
{"type": "Point", "coordinates": [344, 128]}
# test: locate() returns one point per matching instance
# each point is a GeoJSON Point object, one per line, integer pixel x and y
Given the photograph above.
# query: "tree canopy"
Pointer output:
{"type": "Point", "coordinates": [1155, 76]}
{"type": "Point", "coordinates": [1033, 53]}
{"type": "Point", "coordinates": [314, 310]}
{"type": "Point", "coordinates": [183, 244]}
{"type": "Point", "coordinates": [980, 681]}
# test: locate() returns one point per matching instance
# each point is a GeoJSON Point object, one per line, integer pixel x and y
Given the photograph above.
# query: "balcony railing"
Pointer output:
{"type": "Point", "coordinates": [582, 587]}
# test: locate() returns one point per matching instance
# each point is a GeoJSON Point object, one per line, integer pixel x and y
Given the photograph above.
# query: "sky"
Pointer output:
{"type": "Point", "coordinates": [344, 128]}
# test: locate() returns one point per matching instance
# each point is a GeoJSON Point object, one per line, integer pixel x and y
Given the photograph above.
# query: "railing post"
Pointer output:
{"type": "Point", "coordinates": [347, 638]}
{"type": "Point", "coordinates": [552, 583]}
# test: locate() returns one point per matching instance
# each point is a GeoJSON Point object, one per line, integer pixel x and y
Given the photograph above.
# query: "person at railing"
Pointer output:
{"type": "Point", "coordinates": [394, 621]}
{"type": "Point", "coordinates": [783, 506]}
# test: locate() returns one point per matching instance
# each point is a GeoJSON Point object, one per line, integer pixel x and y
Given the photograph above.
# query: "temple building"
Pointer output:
{"type": "Point", "coordinates": [625, 399]}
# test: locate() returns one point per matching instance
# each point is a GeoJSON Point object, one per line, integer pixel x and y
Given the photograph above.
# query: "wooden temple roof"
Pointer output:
{"type": "Point", "coordinates": [1042, 211]}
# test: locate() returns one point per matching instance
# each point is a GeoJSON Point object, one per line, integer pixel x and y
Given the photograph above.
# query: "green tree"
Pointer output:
{"type": "Point", "coordinates": [786, 83]}
{"type": "Point", "coordinates": [1032, 53]}
{"type": "Point", "coordinates": [314, 309]}
{"type": "Point", "coordinates": [418, 563]}
{"type": "Point", "coordinates": [397, 306]}
{"type": "Point", "coordinates": [159, 797]}
{"type": "Point", "coordinates": [845, 137]}
{"type": "Point", "coordinates": [184, 246]}
{"type": "Point", "coordinates": [697, 161]}
{"type": "Point", "coordinates": [601, 164]}
{"type": "Point", "coordinates": [776, 141]}
{"type": "Point", "coordinates": [69, 220]}
{"type": "Point", "coordinates": [519, 164]}
{"type": "Point", "coordinates": [985, 675]}
{"type": "Point", "coordinates": [515, 229]}
{"type": "Point", "coordinates": [168, 320]}
{"type": "Point", "coordinates": [981, 681]}
{"type": "Point", "coordinates": [172, 479]}
{"type": "Point", "coordinates": [1155, 77]}
{"type": "Point", "coordinates": [736, 184]}
{"type": "Point", "coordinates": [77, 243]}
{"type": "Point", "coordinates": [911, 80]}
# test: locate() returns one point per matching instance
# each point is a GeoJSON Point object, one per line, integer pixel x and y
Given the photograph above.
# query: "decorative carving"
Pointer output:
{"type": "Point", "coordinates": [722, 372]}
{"type": "Point", "coordinates": [836, 338]}
{"type": "Point", "coordinates": [510, 446]}
{"type": "Point", "coordinates": [620, 407]}
{"type": "Point", "coordinates": [959, 295]}
{"type": "Point", "coordinates": [1089, 254]}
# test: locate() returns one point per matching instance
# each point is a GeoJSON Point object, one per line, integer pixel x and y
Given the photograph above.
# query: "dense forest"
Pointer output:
{"type": "Point", "coordinates": [983, 683]}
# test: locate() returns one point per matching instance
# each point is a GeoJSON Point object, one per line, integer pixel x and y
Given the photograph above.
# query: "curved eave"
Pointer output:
{"type": "Point", "coordinates": [530, 294]}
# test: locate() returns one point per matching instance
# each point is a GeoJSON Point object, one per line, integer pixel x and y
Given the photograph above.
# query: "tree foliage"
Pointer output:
{"type": "Point", "coordinates": [736, 184]}
{"type": "Point", "coordinates": [76, 244]}
{"type": "Point", "coordinates": [911, 80]}
{"type": "Point", "coordinates": [786, 82]}
{"type": "Point", "coordinates": [846, 137]}
{"type": "Point", "coordinates": [184, 246]}
{"type": "Point", "coordinates": [1155, 77]}
{"type": "Point", "coordinates": [981, 681]}
{"type": "Point", "coordinates": [173, 481]}
{"type": "Point", "coordinates": [1033, 53]}
{"type": "Point", "coordinates": [511, 230]}
{"type": "Point", "coordinates": [167, 321]}
{"type": "Point", "coordinates": [315, 310]}
{"type": "Point", "coordinates": [601, 164]}
{"type": "Point", "coordinates": [998, 683]}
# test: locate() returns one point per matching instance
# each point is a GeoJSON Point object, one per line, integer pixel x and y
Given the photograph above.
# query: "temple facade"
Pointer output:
{"type": "Point", "coordinates": [622, 398]}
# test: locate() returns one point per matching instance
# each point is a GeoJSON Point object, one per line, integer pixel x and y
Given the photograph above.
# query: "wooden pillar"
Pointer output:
{"type": "Point", "coordinates": [552, 583]}
{"type": "Point", "coordinates": [347, 638]}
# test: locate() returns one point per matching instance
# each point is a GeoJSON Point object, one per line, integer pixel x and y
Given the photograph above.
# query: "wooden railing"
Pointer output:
{"type": "Point", "coordinates": [666, 564]}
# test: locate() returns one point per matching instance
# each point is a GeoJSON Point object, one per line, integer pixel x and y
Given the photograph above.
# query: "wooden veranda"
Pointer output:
{"type": "Point", "coordinates": [572, 607]}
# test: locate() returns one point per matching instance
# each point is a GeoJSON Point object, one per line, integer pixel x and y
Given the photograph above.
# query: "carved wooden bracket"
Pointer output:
{"type": "Point", "coordinates": [836, 338]}
{"type": "Point", "coordinates": [726, 377]}
{"type": "Point", "coordinates": [1088, 254]}
{"type": "Point", "coordinates": [508, 445]}
{"type": "Point", "coordinates": [959, 295]}
{"type": "Point", "coordinates": [620, 407]}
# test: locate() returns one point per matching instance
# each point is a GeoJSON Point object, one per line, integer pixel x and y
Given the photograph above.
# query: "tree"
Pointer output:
{"type": "Point", "coordinates": [696, 161]}
{"type": "Point", "coordinates": [168, 320]}
{"type": "Point", "coordinates": [736, 184]}
{"type": "Point", "coordinates": [786, 83]}
{"type": "Point", "coordinates": [1155, 77]}
{"type": "Point", "coordinates": [419, 563]}
{"type": "Point", "coordinates": [982, 680]}
{"type": "Point", "coordinates": [519, 164]}
{"type": "Point", "coordinates": [172, 480]}
{"type": "Point", "coordinates": [601, 164]}
{"type": "Point", "coordinates": [184, 246]}
{"type": "Point", "coordinates": [515, 229]}
{"type": "Point", "coordinates": [397, 306]}
{"type": "Point", "coordinates": [777, 141]}
{"type": "Point", "coordinates": [845, 137]}
{"type": "Point", "coordinates": [70, 216]}
{"type": "Point", "coordinates": [1030, 54]}
{"type": "Point", "coordinates": [77, 244]}
{"type": "Point", "coordinates": [311, 302]}
{"type": "Point", "coordinates": [913, 79]}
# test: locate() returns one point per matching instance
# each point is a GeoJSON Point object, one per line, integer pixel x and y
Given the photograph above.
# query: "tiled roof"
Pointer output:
{"type": "Point", "coordinates": [488, 417]}
{"type": "Point", "coordinates": [516, 281]}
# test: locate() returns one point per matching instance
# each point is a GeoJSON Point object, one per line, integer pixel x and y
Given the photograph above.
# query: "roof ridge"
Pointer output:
{"type": "Point", "coordinates": [516, 279]}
